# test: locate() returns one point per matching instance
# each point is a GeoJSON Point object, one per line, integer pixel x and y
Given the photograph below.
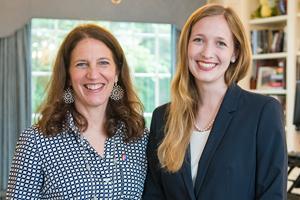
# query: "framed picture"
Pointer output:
{"type": "Point", "coordinates": [266, 78]}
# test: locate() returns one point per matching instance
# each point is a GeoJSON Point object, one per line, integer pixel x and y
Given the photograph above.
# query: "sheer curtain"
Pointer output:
{"type": "Point", "coordinates": [15, 96]}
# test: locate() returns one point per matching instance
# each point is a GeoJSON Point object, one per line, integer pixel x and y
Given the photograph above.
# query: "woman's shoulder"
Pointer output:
{"type": "Point", "coordinates": [31, 132]}
{"type": "Point", "coordinates": [34, 134]}
{"type": "Point", "coordinates": [254, 100]}
{"type": "Point", "coordinates": [161, 110]}
{"type": "Point", "coordinates": [28, 139]}
{"type": "Point", "coordinates": [145, 137]}
{"type": "Point", "coordinates": [121, 129]}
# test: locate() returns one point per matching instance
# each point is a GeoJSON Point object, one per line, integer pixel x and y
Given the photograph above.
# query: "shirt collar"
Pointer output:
{"type": "Point", "coordinates": [71, 126]}
{"type": "Point", "coordinates": [70, 123]}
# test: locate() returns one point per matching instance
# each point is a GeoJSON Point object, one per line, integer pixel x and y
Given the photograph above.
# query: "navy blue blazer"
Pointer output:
{"type": "Point", "coordinates": [245, 157]}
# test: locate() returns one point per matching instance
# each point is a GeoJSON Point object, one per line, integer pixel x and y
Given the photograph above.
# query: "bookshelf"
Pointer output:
{"type": "Point", "coordinates": [270, 56]}
{"type": "Point", "coordinates": [289, 22]}
{"type": "Point", "coordinates": [269, 53]}
{"type": "Point", "coordinates": [270, 91]}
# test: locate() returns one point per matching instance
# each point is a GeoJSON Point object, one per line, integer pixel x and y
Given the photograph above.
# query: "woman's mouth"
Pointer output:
{"type": "Point", "coordinates": [94, 86]}
{"type": "Point", "coordinates": [206, 66]}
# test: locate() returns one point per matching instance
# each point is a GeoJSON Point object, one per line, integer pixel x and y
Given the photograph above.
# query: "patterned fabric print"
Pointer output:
{"type": "Point", "coordinates": [67, 167]}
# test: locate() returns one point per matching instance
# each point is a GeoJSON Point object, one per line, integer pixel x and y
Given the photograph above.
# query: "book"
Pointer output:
{"type": "Point", "coordinates": [282, 7]}
{"type": "Point", "coordinates": [268, 41]}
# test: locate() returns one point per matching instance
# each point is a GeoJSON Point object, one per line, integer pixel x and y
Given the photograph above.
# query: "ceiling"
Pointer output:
{"type": "Point", "coordinates": [15, 13]}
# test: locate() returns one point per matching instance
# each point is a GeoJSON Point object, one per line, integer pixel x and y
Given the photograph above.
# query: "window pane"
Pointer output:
{"type": "Point", "coordinates": [164, 90]}
{"type": "Point", "coordinates": [164, 54]}
{"type": "Point", "coordinates": [148, 121]}
{"type": "Point", "coordinates": [39, 84]}
{"type": "Point", "coordinates": [146, 90]}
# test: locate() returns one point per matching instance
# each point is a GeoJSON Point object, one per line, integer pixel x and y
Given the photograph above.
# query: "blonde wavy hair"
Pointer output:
{"type": "Point", "coordinates": [182, 110]}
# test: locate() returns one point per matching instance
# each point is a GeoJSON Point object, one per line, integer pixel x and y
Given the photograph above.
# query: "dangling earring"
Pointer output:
{"type": "Point", "coordinates": [68, 96]}
{"type": "Point", "coordinates": [117, 92]}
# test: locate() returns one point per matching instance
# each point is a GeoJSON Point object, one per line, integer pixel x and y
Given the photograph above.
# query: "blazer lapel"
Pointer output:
{"type": "Point", "coordinates": [222, 121]}
{"type": "Point", "coordinates": [187, 175]}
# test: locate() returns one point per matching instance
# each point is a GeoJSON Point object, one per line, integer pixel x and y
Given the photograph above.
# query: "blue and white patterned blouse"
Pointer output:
{"type": "Point", "coordinates": [67, 167]}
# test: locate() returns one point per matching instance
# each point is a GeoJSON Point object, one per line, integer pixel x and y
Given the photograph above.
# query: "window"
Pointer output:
{"type": "Point", "coordinates": [147, 47]}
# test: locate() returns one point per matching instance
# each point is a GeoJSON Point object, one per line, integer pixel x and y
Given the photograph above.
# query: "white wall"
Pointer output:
{"type": "Point", "coordinates": [15, 13]}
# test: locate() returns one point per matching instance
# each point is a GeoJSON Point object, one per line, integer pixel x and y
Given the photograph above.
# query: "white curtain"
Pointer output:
{"type": "Point", "coordinates": [15, 96]}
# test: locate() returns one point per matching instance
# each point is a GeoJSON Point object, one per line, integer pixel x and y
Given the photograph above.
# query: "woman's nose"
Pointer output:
{"type": "Point", "coordinates": [93, 72]}
{"type": "Point", "coordinates": [207, 51]}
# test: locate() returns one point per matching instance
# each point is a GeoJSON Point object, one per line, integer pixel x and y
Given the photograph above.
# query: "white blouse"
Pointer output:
{"type": "Point", "coordinates": [197, 144]}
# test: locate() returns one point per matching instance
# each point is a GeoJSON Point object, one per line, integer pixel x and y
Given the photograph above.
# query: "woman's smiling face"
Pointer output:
{"type": "Point", "coordinates": [93, 73]}
{"type": "Point", "coordinates": [210, 49]}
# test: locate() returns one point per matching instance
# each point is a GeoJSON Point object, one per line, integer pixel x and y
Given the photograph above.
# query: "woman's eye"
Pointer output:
{"type": "Point", "coordinates": [198, 40]}
{"type": "Point", "coordinates": [221, 44]}
{"type": "Point", "coordinates": [81, 65]}
{"type": "Point", "coordinates": [103, 62]}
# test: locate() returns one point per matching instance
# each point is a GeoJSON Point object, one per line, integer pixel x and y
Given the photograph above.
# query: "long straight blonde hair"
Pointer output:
{"type": "Point", "coordinates": [184, 95]}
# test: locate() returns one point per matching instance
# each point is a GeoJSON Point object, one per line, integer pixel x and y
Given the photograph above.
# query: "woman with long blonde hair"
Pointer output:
{"type": "Point", "coordinates": [215, 140]}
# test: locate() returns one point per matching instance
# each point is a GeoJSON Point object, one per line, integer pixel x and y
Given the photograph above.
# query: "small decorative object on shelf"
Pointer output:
{"type": "Point", "coordinates": [269, 8]}
{"type": "Point", "coordinates": [268, 75]}
{"type": "Point", "coordinates": [270, 78]}
{"type": "Point", "coordinates": [282, 6]}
